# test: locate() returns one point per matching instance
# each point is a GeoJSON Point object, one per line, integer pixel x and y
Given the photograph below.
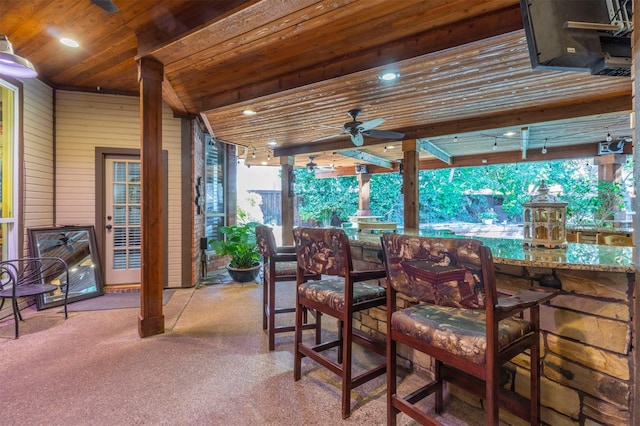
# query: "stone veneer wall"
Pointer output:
{"type": "Point", "coordinates": [586, 348]}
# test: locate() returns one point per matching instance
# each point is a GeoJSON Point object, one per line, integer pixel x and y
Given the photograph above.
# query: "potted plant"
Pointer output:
{"type": "Point", "coordinates": [241, 246]}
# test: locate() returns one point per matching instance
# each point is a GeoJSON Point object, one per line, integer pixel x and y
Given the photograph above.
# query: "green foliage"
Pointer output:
{"type": "Point", "coordinates": [462, 194]}
{"type": "Point", "coordinates": [321, 197]}
{"type": "Point", "coordinates": [239, 244]}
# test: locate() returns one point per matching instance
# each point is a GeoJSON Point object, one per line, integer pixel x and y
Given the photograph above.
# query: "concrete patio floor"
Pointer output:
{"type": "Point", "coordinates": [210, 367]}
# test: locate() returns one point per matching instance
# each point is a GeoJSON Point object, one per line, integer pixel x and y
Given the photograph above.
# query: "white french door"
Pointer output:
{"type": "Point", "coordinates": [122, 220]}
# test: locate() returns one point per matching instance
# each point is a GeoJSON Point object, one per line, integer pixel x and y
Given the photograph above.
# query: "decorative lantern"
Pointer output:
{"type": "Point", "coordinates": [545, 220]}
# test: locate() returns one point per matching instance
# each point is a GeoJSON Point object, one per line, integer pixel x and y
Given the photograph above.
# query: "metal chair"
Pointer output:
{"type": "Point", "coordinates": [340, 294]}
{"type": "Point", "coordinates": [460, 322]}
{"type": "Point", "coordinates": [278, 264]}
{"type": "Point", "coordinates": [32, 277]}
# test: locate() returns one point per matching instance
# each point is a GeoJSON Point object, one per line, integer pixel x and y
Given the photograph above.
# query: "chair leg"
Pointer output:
{"type": "Point", "coordinates": [392, 366]}
{"type": "Point", "coordinates": [16, 314]}
{"type": "Point", "coordinates": [439, 403]}
{"type": "Point", "coordinates": [272, 315]}
{"type": "Point", "coordinates": [347, 335]}
{"type": "Point", "coordinates": [535, 369]}
{"type": "Point", "coordinates": [318, 327]}
{"type": "Point", "coordinates": [341, 339]}
{"type": "Point", "coordinates": [297, 356]}
{"type": "Point", "coordinates": [492, 390]}
{"type": "Point", "coordinates": [265, 299]}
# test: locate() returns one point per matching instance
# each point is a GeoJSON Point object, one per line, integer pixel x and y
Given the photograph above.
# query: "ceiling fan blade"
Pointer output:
{"type": "Point", "coordinates": [329, 137]}
{"type": "Point", "coordinates": [357, 139]}
{"type": "Point", "coordinates": [385, 134]}
{"type": "Point", "coordinates": [106, 5]}
{"type": "Point", "coordinates": [367, 125]}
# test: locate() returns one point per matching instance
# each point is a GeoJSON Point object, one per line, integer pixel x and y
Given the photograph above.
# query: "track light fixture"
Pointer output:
{"type": "Point", "coordinates": [544, 147]}
{"type": "Point", "coordinates": [495, 144]}
{"type": "Point", "coordinates": [608, 137]}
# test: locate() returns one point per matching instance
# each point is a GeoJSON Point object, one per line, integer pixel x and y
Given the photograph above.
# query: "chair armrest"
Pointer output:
{"type": "Point", "coordinates": [286, 249]}
{"type": "Point", "coordinates": [365, 275]}
{"type": "Point", "coordinates": [525, 299]}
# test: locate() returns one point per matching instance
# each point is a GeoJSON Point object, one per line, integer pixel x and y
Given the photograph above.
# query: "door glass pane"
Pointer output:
{"type": "Point", "coordinates": [119, 193]}
{"type": "Point", "coordinates": [126, 215]}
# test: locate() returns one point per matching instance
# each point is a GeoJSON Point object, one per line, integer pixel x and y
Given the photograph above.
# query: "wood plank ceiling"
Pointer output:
{"type": "Point", "coordinates": [466, 84]}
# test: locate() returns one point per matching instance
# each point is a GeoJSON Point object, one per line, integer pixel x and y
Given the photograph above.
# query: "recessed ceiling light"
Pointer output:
{"type": "Point", "coordinates": [272, 143]}
{"type": "Point", "coordinates": [264, 163]}
{"type": "Point", "coordinates": [69, 42]}
{"type": "Point", "coordinates": [389, 76]}
{"type": "Point", "coordinates": [249, 112]}
{"type": "Point", "coordinates": [390, 146]}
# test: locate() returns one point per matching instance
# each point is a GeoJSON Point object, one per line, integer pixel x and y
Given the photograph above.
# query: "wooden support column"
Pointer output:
{"type": "Point", "coordinates": [635, 119]}
{"type": "Point", "coordinates": [610, 167]}
{"type": "Point", "coordinates": [410, 184]}
{"type": "Point", "coordinates": [286, 200]}
{"type": "Point", "coordinates": [150, 76]}
{"type": "Point", "coordinates": [364, 194]}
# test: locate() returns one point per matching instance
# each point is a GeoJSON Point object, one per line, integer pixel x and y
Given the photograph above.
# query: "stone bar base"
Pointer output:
{"type": "Point", "coordinates": [587, 370]}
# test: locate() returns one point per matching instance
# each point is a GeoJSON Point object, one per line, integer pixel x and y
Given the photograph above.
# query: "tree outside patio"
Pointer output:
{"type": "Point", "coordinates": [460, 199]}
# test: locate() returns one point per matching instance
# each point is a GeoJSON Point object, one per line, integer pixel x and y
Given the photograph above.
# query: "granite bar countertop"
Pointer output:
{"type": "Point", "coordinates": [509, 251]}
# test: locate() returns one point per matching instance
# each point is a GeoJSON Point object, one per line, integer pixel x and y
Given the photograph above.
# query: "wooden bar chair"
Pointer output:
{"type": "Point", "coordinates": [278, 265]}
{"type": "Point", "coordinates": [460, 322]}
{"type": "Point", "coordinates": [340, 293]}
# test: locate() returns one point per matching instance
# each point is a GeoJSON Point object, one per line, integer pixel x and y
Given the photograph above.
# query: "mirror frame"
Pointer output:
{"type": "Point", "coordinates": [37, 235]}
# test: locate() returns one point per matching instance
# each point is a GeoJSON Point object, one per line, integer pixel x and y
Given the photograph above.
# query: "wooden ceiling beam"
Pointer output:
{"type": "Point", "coordinates": [464, 32]}
{"type": "Point", "coordinates": [367, 158]}
{"type": "Point", "coordinates": [522, 117]}
{"type": "Point", "coordinates": [508, 118]}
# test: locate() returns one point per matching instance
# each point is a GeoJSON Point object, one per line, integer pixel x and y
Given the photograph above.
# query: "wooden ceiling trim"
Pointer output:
{"type": "Point", "coordinates": [172, 99]}
{"type": "Point", "coordinates": [405, 49]}
{"type": "Point", "coordinates": [179, 32]}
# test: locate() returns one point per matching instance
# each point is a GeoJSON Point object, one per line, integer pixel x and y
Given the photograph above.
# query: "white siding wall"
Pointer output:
{"type": "Point", "coordinates": [85, 121]}
{"type": "Point", "coordinates": [37, 209]}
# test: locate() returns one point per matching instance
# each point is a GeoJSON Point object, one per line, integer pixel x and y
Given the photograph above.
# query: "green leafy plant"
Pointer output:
{"type": "Point", "coordinates": [239, 244]}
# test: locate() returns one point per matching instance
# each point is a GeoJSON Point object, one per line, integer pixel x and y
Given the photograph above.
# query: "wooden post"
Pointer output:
{"type": "Point", "coordinates": [151, 319]}
{"type": "Point", "coordinates": [610, 167]}
{"type": "Point", "coordinates": [410, 184]}
{"type": "Point", "coordinates": [286, 200]}
{"type": "Point", "coordinates": [364, 194]}
{"type": "Point", "coordinates": [635, 117]}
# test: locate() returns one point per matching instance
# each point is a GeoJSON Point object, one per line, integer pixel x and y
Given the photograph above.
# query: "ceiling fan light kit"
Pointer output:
{"type": "Point", "coordinates": [357, 129]}
{"type": "Point", "coordinates": [13, 65]}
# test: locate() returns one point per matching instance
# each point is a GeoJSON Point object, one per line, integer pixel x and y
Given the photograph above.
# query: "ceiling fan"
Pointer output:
{"type": "Point", "coordinates": [357, 129]}
{"type": "Point", "coordinates": [106, 5]}
{"type": "Point", "coordinates": [311, 165]}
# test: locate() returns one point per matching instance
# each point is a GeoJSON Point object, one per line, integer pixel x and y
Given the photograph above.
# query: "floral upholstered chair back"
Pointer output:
{"type": "Point", "coordinates": [266, 241]}
{"type": "Point", "coordinates": [441, 271]}
{"type": "Point", "coordinates": [323, 250]}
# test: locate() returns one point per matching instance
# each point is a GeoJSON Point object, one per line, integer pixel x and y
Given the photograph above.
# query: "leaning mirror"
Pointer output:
{"type": "Point", "coordinates": [76, 245]}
